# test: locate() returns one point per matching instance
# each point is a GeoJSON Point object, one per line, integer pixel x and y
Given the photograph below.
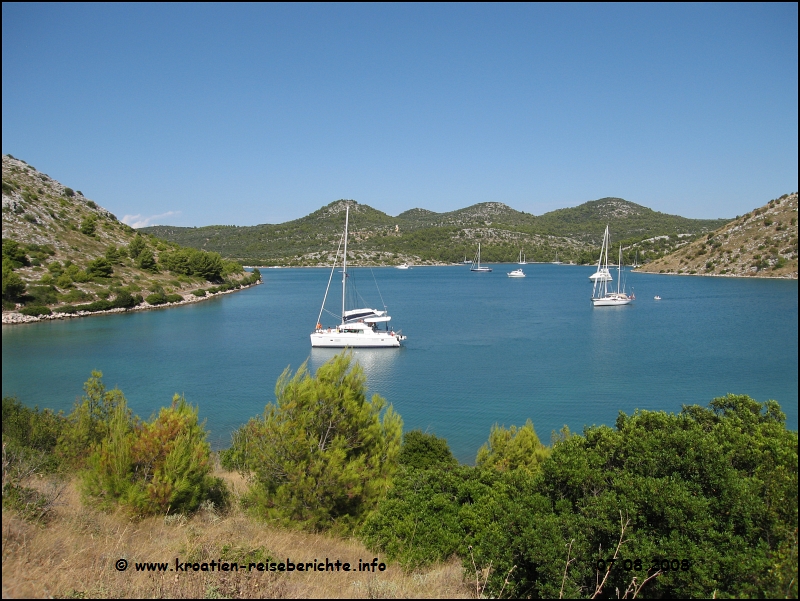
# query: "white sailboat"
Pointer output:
{"type": "Point", "coordinates": [556, 262]}
{"type": "Point", "coordinates": [476, 262]}
{"type": "Point", "coordinates": [601, 296]}
{"type": "Point", "coordinates": [358, 327]}
{"type": "Point", "coordinates": [602, 274]}
{"type": "Point", "coordinates": [521, 260]}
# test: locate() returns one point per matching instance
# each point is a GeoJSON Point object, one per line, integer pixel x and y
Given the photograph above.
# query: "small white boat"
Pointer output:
{"type": "Point", "coordinates": [517, 273]}
{"type": "Point", "coordinates": [656, 297]}
{"type": "Point", "coordinates": [402, 266]}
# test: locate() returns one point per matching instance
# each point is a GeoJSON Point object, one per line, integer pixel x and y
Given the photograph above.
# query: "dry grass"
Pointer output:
{"type": "Point", "coordinates": [74, 555]}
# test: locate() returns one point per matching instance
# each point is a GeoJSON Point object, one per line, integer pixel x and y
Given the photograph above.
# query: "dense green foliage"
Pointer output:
{"type": "Point", "coordinates": [711, 493]}
{"type": "Point", "coordinates": [422, 451]}
{"type": "Point", "coordinates": [513, 448]}
{"type": "Point", "coordinates": [321, 456]}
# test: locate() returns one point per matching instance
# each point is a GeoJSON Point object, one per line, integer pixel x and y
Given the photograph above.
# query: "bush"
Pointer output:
{"type": "Point", "coordinates": [100, 267]}
{"type": "Point", "coordinates": [157, 298]}
{"type": "Point", "coordinates": [13, 286]}
{"type": "Point", "coordinates": [321, 456]}
{"type": "Point", "coordinates": [89, 225]}
{"type": "Point", "coordinates": [515, 448]}
{"type": "Point", "coordinates": [199, 292]}
{"type": "Point", "coordinates": [422, 451]}
{"type": "Point", "coordinates": [174, 298]}
{"type": "Point", "coordinates": [154, 467]}
{"type": "Point", "coordinates": [89, 422]}
{"type": "Point", "coordinates": [69, 192]}
{"type": "Point", "coordinates": [35, 311]}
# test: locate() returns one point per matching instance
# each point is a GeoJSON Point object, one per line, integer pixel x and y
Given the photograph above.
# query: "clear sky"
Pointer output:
{"type": "Point", "coordinates": [204, 114]}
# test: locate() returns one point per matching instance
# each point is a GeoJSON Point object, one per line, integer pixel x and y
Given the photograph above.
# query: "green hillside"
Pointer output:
{"type": "Point", "coordinates": [64, 253]}
{"type": "Point", "coordinates": [424, 237]}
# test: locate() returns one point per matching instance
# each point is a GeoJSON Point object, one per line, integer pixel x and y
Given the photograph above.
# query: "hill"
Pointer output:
{"type": "Point", "coordinates": [61, 248]}
{"type": "Point", "coordinates": [421, 236]}
{"type": "Point", "coordinates": [762, 243]}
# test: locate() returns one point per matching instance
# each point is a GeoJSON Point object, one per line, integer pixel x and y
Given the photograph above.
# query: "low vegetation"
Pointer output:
{"type": "Point", "coordinates": [698, 504]}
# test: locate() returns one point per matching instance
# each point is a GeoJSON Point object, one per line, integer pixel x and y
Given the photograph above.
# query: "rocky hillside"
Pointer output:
{"type": "Point", "coordinates": [64, 252]}
{"type": "Point", "coordinates": [762, 243]}
{"type": "Point", "coordinates": [421, 236]}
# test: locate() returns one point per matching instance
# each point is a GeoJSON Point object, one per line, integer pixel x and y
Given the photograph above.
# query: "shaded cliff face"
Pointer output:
{"type": "Point", "coordinates": [762, 243]}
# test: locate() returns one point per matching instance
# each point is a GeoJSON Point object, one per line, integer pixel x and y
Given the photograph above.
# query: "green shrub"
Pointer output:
{"type": "Point", "coordinates": [422, 451]}
{"type": "Point", "coordinates": [157, 298]}
{"type": "Point", "coordinates": [154, 467]}
{"type": "Point", "coordinates": [321, 456]}
{"type": "Point", "coordinates": [199, 292]}
{"type": "Point", "coordinates": [100, 267]}
{"type": "Point", "coordinates": [69, 192]}
{"type": "Point", "coordinates": [515, 448]}
{"type": "Point", "coordinates": [14, 254]}
{"type": "Point", "coordinates": [174, 298]}
{"type": "Point", "coordinates": [89, 225]}
{"type": "Point", "coordinates": [89, 422]}
{"type": "Point", "coordinates": [13, 286]}
{"type": "Point", "coordinates": [35, 311]}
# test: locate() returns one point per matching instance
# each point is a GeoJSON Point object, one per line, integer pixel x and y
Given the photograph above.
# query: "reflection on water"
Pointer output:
{"type": "Point", "coordinates": [378, 364]}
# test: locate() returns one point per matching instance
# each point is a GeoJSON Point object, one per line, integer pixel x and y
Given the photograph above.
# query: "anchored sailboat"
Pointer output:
{"type": "Point", "coordinates": [359, 327]}
{"type": "Point", "coordinates": [476, 262]}
{"type": "Point", "coordinates": [601, 296]}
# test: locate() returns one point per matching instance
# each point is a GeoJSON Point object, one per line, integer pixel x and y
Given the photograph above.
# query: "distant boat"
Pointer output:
{"type": "Point", "coordinates": [476, 262]}
{"type": "Point", "coordinates": [556, 262]}
{"type": "Point", "coordinates": [402, 266]}
{"type": "Point", "coordinates": [517, 273]}
{"type": "Point", "coordinates": [601, 297]}
{"type": "Point", "coordinates": [636, 261]}
{"type": "Point", "coordinates": [521, 260]}
{"type": "Point", "coordinates": [467, 261]}
{"type": "Point", "coordinates": [656, 297]}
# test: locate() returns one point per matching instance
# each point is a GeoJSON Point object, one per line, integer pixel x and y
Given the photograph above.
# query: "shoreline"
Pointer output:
{"type": "Point", "coordinates": [16, 318]}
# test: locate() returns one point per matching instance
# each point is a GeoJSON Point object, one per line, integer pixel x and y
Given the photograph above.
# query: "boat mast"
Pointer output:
{"type": "Point", "coordinates": [344, 261]}
{"type": "Point", "coordinates": [619, 268]}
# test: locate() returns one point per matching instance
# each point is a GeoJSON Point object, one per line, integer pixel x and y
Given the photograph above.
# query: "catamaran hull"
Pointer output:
{"type": "Point", "coordinates": [342, 340]}
{"type": "Point", "coordinates": [610, 302]}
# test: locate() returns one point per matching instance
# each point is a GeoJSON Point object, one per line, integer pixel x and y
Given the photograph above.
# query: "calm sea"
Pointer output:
{"type": "Point", "coordinates": [481, 349]}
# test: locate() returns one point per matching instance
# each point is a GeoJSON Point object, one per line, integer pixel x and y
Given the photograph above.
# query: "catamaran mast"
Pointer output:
{"type": "Point", "coordinates": [344, 263]}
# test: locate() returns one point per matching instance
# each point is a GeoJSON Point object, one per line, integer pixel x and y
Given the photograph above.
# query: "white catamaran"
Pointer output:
{"type": "Point", "coordinates": [601, 296]}
{"type": "Point", "coordinates": [359, 327]}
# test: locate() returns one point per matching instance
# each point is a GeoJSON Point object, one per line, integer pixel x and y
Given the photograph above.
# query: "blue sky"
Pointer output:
{"type": "Point", "coordinates": [244, 114]}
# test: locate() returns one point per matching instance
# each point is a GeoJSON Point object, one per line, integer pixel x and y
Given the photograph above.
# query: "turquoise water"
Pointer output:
{"type": "Point", "coordinates": [481, 349]}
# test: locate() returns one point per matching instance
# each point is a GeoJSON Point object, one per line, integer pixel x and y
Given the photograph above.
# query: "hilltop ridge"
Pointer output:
{"type": "Point", "coordinates": [421, 236]}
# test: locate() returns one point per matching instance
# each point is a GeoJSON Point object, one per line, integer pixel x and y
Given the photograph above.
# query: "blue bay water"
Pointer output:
{"type": "Point", "coordinates": [481, 349]}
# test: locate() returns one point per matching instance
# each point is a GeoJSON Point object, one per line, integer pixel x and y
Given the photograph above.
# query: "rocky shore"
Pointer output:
{"type": "Point", "coordinates": [15, 317]}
